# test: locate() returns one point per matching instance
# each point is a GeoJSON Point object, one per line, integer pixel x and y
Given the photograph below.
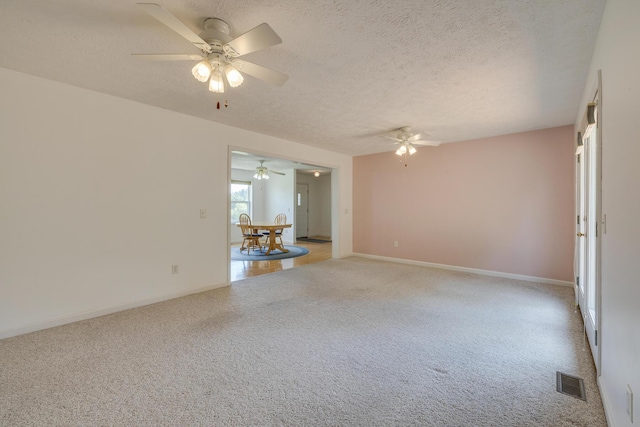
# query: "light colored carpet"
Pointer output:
{"type": "Point", "coordinates": [352, 342]}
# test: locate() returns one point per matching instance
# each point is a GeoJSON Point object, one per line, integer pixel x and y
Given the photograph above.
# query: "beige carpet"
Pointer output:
{"type": "Point", "coordinates": [351, 342]}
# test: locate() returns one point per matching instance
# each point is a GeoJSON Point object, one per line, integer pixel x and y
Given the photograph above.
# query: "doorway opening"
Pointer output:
{"type": "Point", "coordinates": [307, 212]}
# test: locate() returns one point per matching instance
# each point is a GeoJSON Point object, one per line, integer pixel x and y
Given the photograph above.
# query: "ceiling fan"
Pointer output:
{"type": "Point", "coordinates": [263, 173]}
{"type": "Point", "coordinates": [408, 139]}
{"type": "Point", "coordinates": [221, 54]}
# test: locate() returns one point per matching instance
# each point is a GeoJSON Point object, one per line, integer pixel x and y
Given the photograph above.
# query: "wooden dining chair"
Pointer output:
{"type": "Point", "coordinates": [250, 240]}
{"type": "Point", "coordinates": [279, 219]}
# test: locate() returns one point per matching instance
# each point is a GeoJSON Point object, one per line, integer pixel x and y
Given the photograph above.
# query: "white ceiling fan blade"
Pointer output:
{"type": "Point", "coordinates": [168, 56]}
{"type": "Point", "coordinates": [277, 173]}
{"type": "Point", "coordinates": [419, 137]}
{"type": "Point", "coordinates": [255, 39]}
{"type": "Point", "coordinates": [274, 77]}
{"type": "Point", "coordinates": [393, 137]}
{"type": "Point", "coordinates": [175, 24]}
{"type": "Point", "coordinates": [427, 143]}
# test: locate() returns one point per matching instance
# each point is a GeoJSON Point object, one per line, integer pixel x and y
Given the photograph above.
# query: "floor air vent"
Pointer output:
{"type": "Point", "coordinates": [568, 384]}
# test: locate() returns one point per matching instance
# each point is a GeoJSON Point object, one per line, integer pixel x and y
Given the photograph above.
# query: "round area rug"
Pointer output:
{"type": "Point", "coordinates": [294, 251]}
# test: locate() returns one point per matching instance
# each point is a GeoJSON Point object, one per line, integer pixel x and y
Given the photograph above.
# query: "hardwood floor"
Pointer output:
{"type": "Point", "coordinates": [317, 252]}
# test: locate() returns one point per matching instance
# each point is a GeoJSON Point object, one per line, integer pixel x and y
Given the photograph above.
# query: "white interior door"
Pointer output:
{"type": "Point", "coordinates": [589, 234]}
{"type": "Point", "coordinates": [302, 210]}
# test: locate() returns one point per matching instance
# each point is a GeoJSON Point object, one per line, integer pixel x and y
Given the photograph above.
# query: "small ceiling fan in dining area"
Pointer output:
{"type": "Point", "coordinates": [263, 173]}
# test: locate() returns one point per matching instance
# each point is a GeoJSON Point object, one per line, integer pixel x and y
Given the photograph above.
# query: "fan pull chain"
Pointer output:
{"type": "Point", "coordinates": [226, 104]}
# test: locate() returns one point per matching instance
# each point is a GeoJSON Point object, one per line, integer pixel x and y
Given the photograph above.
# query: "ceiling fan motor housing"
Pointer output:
{"type": "Point", "coordinates": [404, 134]}
{"type": "Point", "coordinates": [216, 33]}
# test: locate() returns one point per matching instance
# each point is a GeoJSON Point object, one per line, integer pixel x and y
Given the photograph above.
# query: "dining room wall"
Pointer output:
{"type": "Point", "coordinates": [279, 196]}
{"type": "Point", "coordinates": [319, 202]}
{"type": "Point", "coordinates": [324, 201]}
{"type": "Point", "coordinates": [503, 204]}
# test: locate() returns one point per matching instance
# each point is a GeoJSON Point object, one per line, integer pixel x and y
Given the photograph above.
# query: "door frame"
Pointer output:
{"type": "Point", "coordinates": [589, 224]}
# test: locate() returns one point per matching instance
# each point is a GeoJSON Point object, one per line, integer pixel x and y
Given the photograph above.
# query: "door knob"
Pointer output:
{"type": "Point", "coordinates": [580, 234]}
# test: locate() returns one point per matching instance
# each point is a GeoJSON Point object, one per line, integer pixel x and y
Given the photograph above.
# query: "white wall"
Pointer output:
{"type": "Point", "coordinates": [319, 203]}
{"type": "Point", "coordinates": [323, 201]}
{"type": "Point", "coordinates": [616, 54]}
{"type": "Point", "coordinates": [279, 199]}
{"type": "Point", "coordinates": [100, 196]}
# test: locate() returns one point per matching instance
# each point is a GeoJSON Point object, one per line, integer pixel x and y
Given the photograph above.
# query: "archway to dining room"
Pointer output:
{"type": "Point", "coordinates": [264, 186]}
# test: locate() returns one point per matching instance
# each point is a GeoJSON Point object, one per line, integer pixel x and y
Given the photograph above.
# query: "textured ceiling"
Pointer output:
{"type": "Point", "coordinates": [456, 69]}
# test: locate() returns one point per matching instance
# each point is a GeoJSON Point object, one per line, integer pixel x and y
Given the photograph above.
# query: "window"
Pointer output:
{"type": "Point", "coordinates": [240, 199]}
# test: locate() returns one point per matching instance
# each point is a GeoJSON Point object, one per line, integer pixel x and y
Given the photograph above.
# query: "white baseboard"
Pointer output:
{"type": "Point", "coordinates": [468, 270]}
{"type": "Point", "coordinates": [63, 320]}
{"type": "Point", "coordinates": [606, 403]}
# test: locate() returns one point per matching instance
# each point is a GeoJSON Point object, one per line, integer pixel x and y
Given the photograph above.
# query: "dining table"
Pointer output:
{"type": "Point", "coordinates": [271, 228]}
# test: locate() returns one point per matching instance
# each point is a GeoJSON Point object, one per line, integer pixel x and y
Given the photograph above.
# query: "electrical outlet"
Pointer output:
{"type": "Point", "coordinates": [395, 243]}
{"type": "Point", "coordinates": [174, 269]}
{"type": "Point", "coordinates": [630, 403]}
{"type": "Point", "coordinates": [203, 213]}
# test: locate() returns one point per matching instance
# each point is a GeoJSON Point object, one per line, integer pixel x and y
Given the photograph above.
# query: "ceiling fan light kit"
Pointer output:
{"type": "Point", "coordinates": [234, 77]}
{"type": "Point", "coordinates": [202, 71]}
{"type": "Point", "coordinates": [216, 84]}
{"type": "Point", "coordinates": [213, 68]}
{"type": "Point", "coordinates": [261, 175]}
{"type": "Point", "coordinates": [405, 148]}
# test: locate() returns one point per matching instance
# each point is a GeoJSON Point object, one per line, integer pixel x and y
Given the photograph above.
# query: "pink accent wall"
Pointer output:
{"type": "Point", "coordinates": [502, 204]}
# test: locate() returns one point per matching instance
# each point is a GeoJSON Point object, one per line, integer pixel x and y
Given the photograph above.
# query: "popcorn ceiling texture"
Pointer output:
{"type": "Point", "coordinates": [457, 70]}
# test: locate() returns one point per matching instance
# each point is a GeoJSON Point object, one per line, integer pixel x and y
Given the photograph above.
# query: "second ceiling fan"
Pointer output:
{"type": "Point", "coordinates": [407, 139]}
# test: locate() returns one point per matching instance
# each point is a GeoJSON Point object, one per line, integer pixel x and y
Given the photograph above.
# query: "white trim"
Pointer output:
{"type": "Point", "coordinates": [469, 270]}
{"type": "Point", "coordinates": [63, 320]}
{"type": "Point", "coordinates": [606, 402]}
